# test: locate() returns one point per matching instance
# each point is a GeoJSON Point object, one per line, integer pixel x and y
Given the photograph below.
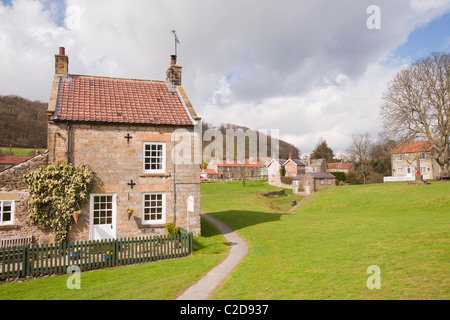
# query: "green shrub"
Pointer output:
{"type": "Point", "coordinates": [55, 193]}
{"type": "Point", "coordinates": [286, 180]}
{"type": "Point", "coordinates": [171, 230]}
{"type": "Point", "coordinates": [340, 176]}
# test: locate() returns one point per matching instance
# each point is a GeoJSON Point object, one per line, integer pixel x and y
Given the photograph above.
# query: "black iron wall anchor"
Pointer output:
{"type": "Point", "coordinates": [132, 184]}
{"type": "Point", "coordinates": [128, 137]}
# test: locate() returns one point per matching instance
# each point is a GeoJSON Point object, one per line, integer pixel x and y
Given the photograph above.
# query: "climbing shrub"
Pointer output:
{"type": "Point", "coordinates": [55, 193]}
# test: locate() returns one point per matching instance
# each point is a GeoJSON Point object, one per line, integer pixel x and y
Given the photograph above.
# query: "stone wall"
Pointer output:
{"type": "Point", "coordinates": [13, 187]}
{"type": "Point", "coordinates": [116, 162]}
{"type": "Point", "coordinates": [12, 177]}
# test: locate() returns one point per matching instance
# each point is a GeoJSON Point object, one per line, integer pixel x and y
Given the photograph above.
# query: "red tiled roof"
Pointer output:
{"type": "Point", "coordinates": [334, 165]}
{"type": "Point", "coordinates": [228, 163]}
{"type": "Point", "coordinates": [252, 164]}
{"type": "Point", "coordinates": [13, 159]}
{"type": "Point", "coordinates": [100, 99]}
{"type": "Point", "coordinates": [210, 171]}
{"type": "Point", "coordinates": [346, 166]}
{"type": "Point", "coordinates": [413, 147]}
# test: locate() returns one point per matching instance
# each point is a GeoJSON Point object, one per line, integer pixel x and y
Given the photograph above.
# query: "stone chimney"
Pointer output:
{"type": "Point", "coordinates": [61, 62]}
{"type": "Point", "coordinates": [173, 73]}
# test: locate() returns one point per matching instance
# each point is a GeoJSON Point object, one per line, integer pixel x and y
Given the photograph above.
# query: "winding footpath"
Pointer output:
{"type": "Point", "coordinates": [238, 249]}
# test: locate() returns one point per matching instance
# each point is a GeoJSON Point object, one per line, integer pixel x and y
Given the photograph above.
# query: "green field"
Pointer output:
{"type": "Point", "coordinates": [323, 250]}
{"type": "Point", "coordinates": [320, 251]}
{"type": "Point", "coordinates": [21, 152]}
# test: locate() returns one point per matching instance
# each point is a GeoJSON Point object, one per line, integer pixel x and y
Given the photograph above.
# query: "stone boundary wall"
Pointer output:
{"type": "Point", "coordinates": [13, 187]}
{"type": "Point", "coordinates": [11, 178]}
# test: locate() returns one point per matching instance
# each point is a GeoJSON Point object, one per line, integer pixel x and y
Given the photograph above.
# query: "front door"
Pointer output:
{"type": "Point", "coordinates": [408, 172]}
{"type": "Point", "coordinates": [102, 216]}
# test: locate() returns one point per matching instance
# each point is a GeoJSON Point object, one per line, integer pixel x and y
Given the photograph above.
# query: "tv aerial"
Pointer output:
{"type": "Point", "coordinates": [176, 40]}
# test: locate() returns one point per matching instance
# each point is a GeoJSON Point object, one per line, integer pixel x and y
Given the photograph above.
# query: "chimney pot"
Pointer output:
{"type": "Point", "coordinates": [61, 62]}
{"type": "Point", "coordinates": [173, 73]}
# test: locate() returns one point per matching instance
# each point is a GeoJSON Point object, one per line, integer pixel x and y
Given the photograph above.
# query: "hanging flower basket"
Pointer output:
{"type": "Point", "coordinates": [129, 212]}
{"type": "Point", "coordinates": [76, 215]}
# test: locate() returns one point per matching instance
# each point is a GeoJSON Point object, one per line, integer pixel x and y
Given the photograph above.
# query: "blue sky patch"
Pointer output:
{"type": "Point", "coordinates": [434, 36]}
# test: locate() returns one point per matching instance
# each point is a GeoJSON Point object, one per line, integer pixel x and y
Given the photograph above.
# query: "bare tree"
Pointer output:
{"type": "Point", "coordinates": [360, 153]}
{"type": "Point", "coordinates": [417, 105]}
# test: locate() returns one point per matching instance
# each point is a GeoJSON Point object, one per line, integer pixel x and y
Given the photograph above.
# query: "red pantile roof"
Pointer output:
{"type": "Point", "coordinates": [334, 165]}
{"type": "Point", "coordinates": [228, 163]}
{"type": "Point", "coordinates": [346, 166]}
{"type": "Point", "coordinates": [413, 147]}
{"type": "Point", "coordinates": [210, 171]}
{"type": "Point", "coordinates": [252, 164]}
{"type": "Point", "coordinates": [13, 159]}
{"type": "Point", "coordinates": [113, 100]}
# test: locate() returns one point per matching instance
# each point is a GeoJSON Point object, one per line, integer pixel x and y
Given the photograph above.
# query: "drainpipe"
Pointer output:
{"type": "Point", "coordinates": [68, 142]}
{"type": "Point", "coordinates": [174, 185]}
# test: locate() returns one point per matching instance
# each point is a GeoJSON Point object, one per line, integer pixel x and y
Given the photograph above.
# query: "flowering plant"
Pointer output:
{"type": "Point", "coordinates": [55, 193]}
{"type": "Point", "coordinates": [77, 212]}
{"type": "Point", "coordinates": [130, 209]}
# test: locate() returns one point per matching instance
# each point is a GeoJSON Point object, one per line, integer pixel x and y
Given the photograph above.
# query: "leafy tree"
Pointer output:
{"type": "Point", "coordinates": [322, 151]}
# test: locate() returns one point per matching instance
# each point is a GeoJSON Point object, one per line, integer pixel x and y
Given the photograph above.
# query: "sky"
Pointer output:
{"type": "Point", "coordinates": [309, 69]}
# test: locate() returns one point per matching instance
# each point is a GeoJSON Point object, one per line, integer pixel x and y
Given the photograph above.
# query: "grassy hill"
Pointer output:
{"type": "Point", "coordinates": [323, 250]}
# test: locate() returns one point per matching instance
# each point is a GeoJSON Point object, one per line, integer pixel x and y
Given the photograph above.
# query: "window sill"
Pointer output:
{"type": "Point", "coordinates": [153, 225]}
{"type": "Point", "coordinates": [162, 175]}
{"type": "Point", "coordinates": [9, 226]}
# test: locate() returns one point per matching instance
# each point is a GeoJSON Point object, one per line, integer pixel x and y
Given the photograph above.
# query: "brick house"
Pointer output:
{"type": "Point", "coordinates": [295, 167]}
{"type": "Point", "coordinates": [124, 130]}
{"type": "Point", "coordinates": [412, 157]}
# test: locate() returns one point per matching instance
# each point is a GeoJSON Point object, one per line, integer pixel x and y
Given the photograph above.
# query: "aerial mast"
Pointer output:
{"type": "Point", "coordinates": [176, 41]}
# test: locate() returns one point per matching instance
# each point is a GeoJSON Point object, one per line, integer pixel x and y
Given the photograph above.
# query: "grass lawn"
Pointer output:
{"type": "Point", "coordinates": [161, 280]}
{"type": "Point", "coordinates": [323, 250]}
{"type": "Point", "coordinates": [21, 152]}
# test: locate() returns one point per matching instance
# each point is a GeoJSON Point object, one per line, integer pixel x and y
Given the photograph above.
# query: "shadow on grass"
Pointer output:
{"type": "Point", "coordinates": [239, 219]}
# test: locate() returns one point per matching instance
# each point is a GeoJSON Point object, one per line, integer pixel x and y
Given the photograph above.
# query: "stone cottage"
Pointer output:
{"type": "Point", "coordinates": [411, 158]}
{"type": "Point", "coordinates": [125, 130]}
{"type": "Point", "coordinates": [273, 171]}
{"type": "Point", "coordinates": [227, 169]}
{"type": "Point", "coordinates": [313, 181]}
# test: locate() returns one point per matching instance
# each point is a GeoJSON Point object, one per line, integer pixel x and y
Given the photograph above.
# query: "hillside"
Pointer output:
{"type": "Point", "coordinates": [285, 149]}
{"type": "Point", "coordinates": [23, 123]}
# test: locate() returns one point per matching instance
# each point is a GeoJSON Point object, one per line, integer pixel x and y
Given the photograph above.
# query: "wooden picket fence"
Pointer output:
{"type": "Point", "coordinates": [38, 260]}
